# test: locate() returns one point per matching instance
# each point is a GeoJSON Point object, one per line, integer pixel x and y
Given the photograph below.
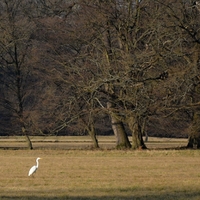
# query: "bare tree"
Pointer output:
{"type": "Point", "coordinates": [111, 63]}
{"type": "Point", "coordinates": [182, 23]}
{"type": "Point", "coordinates": [129, 60]}
{"type": "Point", "coordinates": [17, 82]}
{"type": "Point", "coordinates": [126, 65]}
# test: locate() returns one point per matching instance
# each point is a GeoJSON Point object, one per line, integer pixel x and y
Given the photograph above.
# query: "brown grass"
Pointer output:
{"type": "Point", "coordinates": [107, 174]}
{"type": "Point", "coordinates": [83, 142]}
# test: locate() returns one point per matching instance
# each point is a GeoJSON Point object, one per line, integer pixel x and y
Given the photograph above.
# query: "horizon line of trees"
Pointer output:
{"type": "Point", "coordinates": [90, 66]}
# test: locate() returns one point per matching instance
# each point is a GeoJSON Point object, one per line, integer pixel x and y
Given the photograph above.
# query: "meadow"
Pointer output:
{"type": "Point", "coordinates": [82, 142]}
{"type": "Point", "coordinates": [106, 174]}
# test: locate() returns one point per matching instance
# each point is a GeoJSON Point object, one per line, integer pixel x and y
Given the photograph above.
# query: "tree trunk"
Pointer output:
{"type": "Point", "coordinates": [134, 124]}
{"type": "Point", "coordinates": [143, 128]}
{"type": "Point", "coordinates": [29, 143]}
{"type": "Point", "coordinates": [120, 133]}
{"type": "Point", "coordinates": [122, 140]}
{"type": "Point", "coordinates": [194, 137]}
{"type": "Point", "coordinates": [91, 130]}
{"type": "Point", "coordinates": [92, 134]}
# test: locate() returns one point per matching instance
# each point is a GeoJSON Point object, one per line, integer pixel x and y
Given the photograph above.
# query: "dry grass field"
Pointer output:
{"type": "Point", "coordinates": [100, 174]}
{"type": "Point", "coordinates": [83, 142]}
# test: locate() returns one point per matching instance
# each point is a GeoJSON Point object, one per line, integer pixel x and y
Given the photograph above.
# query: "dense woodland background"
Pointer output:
{"type": "Point", "coordinates": [100, 67]}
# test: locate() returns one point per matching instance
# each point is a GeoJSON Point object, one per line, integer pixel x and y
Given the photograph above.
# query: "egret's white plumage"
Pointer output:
{"type": "Point", "coordinates": [34, 168]}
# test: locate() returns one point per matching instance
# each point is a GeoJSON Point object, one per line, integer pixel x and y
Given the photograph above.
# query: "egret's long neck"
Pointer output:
{"type": "Point", "coordinates": [37, 163]}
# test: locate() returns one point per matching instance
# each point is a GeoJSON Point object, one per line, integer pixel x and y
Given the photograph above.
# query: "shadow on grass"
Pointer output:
{"type": "Point", "coordinates": [185, 195]}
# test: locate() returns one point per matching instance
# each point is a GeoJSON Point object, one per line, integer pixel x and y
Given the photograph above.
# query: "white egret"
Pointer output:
{"type": "Point", "coordinates": [34, 168]}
